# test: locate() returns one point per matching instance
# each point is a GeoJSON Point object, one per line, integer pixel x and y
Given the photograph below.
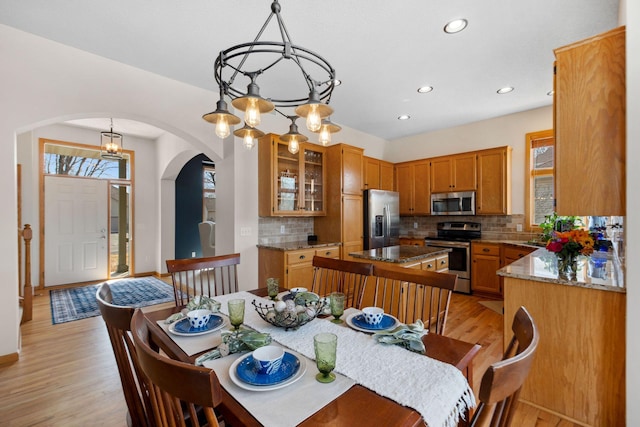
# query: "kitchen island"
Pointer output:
{"type": "Point", "coordinates": [407, 256]}
{"type": "Point", "coordinates": [579, 369]}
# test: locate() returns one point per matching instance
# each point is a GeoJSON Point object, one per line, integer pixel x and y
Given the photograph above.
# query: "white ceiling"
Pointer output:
{"type": "Point", "coordinates": [381, 50]}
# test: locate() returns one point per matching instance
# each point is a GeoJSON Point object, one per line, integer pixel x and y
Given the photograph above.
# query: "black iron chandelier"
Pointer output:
{"type": "Point", "coordinates": [111, 144]}
{"type": "Point", "coordinates": [247, 62]}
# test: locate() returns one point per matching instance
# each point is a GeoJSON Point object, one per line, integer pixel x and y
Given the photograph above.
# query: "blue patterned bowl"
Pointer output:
{"type": "Point", "coordinates": [373, 315]}
{"type": "Point", "coordinates": [268, 359]}
{"type": "Point", "coordinates": [199, 318]}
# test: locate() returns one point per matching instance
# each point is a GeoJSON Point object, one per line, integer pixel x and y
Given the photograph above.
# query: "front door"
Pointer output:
{"type": "Point", "coordinates": [75, 224]}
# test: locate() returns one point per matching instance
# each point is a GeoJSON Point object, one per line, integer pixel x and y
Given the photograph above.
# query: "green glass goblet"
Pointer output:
{"type": "Point", "coordinates": [273, 286]}
{"type": "Point", "coordinates": [325, 345]}
{"type": "Point", "coordinates": [336, 303]}
{"type": "Point", "coordinates": [236, 312]}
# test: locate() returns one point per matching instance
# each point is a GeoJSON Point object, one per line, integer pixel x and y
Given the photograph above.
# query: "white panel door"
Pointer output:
{"type": "Point", "coordinates": [75, 224]}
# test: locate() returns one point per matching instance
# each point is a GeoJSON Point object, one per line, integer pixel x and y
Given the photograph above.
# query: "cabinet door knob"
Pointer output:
{"type": "Point", "coordinates": [443, 262]}
{"type": "Point", "coordinates": [430, 265]}
{"type": "Point", "coordinates": [328, 253]}
{"type": "Point", "coordinates": [302, 257]}
{"type": "Point", "coordinates": [485, 249]}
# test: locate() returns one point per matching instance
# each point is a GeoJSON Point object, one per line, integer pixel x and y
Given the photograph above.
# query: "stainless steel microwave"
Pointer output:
{"type": "Point", "coordinates": [462, 203]}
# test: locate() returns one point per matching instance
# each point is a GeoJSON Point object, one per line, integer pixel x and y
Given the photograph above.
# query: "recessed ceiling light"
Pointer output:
{"type": "Point", "coordinates": [455, 26]}
{"type": "Point", "coordinates": [550, 93]}
{"type": "Point", "coordinates": [504, 90]}
{"type": "Point", "coordinates": [425, 89]}
{"type": "Point", "coordinates": [404, 117]}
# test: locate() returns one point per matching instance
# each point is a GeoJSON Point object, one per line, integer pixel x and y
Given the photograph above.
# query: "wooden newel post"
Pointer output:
{"type": "Point", "coordinates": [27, 312]}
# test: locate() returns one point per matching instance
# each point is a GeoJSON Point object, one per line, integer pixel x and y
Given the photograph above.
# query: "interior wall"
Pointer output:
{"type": "Point", "coordinates": [188, 208]}
{"type": "Point", "coordinates": [505, 130]}
{"type": "Point", "coordinates": [631, 17]}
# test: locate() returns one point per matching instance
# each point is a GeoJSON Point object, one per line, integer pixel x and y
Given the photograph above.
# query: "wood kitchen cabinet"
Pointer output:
{"type": "Point", "coordinates": [411, 241]}
{"type": "Point", "coordinates": [589, 116]}
{"type": "Point", "coordinates": [453, 173]}
{"type": "Point", "coordinates": [485, 262]}
{"type": "Point", "coordinates": [343, 221]}
{"type": "Point", "coordinates": [413, 185]}
{"type": "Point", "coordinates": [292, 267]}
{"type": "Point", "coordinates": [290, 184]}
{"type": "Point", "coordinates": [378, 174]}
{"type": "Point", "coordinates": [494, 181]}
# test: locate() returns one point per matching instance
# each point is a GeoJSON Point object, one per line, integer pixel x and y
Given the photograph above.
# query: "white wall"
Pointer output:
{"type": "Point", "coordinates": [145, 188]}
{"type": "Point", "coordinates": [506, 130]}
{"type": "Point", "coordinates": [43, 83]}
{"type": "Point", "coordinates": [632, 229]}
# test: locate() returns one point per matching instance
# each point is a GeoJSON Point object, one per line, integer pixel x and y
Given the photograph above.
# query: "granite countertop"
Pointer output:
{"type": "Point", "coordinates": [300, 244]}
{"type": "Point", "coordinates": [541, 266]}
{"type": "Point", "coordinates": [400, 254]}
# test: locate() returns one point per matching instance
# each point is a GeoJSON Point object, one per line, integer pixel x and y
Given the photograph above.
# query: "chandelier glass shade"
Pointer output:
{"type": "Point", "coordinates": [111, 144]}
{"type": "Point", "coordinates": [238, 69]}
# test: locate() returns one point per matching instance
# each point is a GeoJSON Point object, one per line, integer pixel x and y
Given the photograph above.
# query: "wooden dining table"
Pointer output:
{"type": "Point", "coordinates": [350, 408]}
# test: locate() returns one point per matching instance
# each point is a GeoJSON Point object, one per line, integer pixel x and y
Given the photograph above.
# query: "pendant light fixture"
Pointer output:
{"type": "Point", "coordinates": [293, 137]}
{"type": "Point", "coordinates": [327, 128]}
{"type": "Point", "coordinates": [111, 144]}
{"type": "Point", "coordinates": [264, 57]}
{"type": "Point", "coordinates": [222, 118]}
{"type": "Point", "coordinates": [248, 135]}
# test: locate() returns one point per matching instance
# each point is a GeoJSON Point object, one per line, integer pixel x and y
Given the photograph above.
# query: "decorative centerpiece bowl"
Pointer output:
{"type": "Point", "coordinates": [289, 314]}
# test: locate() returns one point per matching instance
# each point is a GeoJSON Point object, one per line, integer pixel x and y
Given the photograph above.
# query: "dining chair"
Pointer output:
{"type": "Point", "coordinates": [502, 381]}
{"type": "Point", "coordinates": [211, 276]}
{"type": "Point", "coordinates": [337, 275]}
{"type": "Point", "coordinates": [207, 230]}
{"type": "Point", "coordinates": [411, 294]}
{"type": "Point", "coordinates": [134, 382]}
{"type": "Point", "coordinates": [180, 393]}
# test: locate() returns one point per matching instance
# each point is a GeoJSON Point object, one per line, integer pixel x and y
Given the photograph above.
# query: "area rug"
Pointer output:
{"type": "Point", "coordinates": [497, 306]}
{"type": "Point", "coordinates": [80, 303]}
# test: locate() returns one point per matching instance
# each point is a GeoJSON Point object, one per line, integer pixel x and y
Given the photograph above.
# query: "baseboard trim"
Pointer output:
{"type": "Point", "coordinates": [9, 358]}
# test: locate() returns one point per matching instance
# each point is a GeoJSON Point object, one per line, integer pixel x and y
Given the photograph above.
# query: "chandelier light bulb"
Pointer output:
{"type": "Point", "coordinates": [325, 136]}
{"type": "Point", "coordinates": [314, 121]}
{"type": "Point", "coordinates": [248, 141]}
{"type": "Point", "coordinates": [222, 128]}
{"type": "Point", "coordinates": [252, 113]}
{"type": "Point", "coordinates": [294, 146]}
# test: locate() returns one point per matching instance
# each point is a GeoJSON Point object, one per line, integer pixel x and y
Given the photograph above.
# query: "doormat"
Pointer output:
{"type": "Point", "coordinates": [68, 305]}
{"type": "Point", "coordinates": [497, 306]}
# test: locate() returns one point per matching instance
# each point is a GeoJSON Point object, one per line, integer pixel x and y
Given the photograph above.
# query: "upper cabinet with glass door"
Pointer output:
{"type": "Point", "coordinates": [290, 184]}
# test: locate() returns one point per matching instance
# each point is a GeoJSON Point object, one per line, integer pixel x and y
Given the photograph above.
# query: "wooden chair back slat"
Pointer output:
{"type": "Point", "coordinates": [209, 276]}
{"type": "Point", "coordinates": [336, 275]}
{"type": "Point", "coordinates": [410, 295]}
{"type": "Point", "coordinates": [134, 384]}
{"type": "Point", "coordinates": [502, 381]}
{"type": "Point", "coordinates": [179, 391]}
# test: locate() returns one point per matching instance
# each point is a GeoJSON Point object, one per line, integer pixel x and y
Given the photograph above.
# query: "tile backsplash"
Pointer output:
{"type": "Point", "coordinates": [498, 227]}
{"type": "Point", "coordinates": [283, 230]}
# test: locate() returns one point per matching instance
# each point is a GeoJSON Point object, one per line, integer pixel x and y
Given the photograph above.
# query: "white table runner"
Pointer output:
{"type": "Point", "coordinates": [437, 390]}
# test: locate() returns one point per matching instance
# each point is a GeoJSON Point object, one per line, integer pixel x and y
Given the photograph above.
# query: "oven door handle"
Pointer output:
{"type": "Point", "coordinates": [440, 244]}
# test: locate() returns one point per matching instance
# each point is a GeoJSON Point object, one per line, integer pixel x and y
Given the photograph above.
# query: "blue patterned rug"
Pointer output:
{"type": "Point", "coordinates": [79, 303]}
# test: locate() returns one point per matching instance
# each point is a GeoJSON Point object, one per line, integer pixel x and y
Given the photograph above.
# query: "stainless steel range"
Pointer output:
{"type": "Point", "coordinates": [457, 236]}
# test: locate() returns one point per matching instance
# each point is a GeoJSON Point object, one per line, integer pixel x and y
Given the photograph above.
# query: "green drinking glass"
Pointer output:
{"type": "Point", "coordinates": [325, 345]}
{"type": "Point", "coordinates": [236, 312]}
{"type": "Point", "coordinates": [273, 286]}
{"type": "Point", "coordinates": [336, 303]}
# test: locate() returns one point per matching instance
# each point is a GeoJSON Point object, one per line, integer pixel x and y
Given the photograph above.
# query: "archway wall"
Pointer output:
{"type": "Point", "coordinates": [42, 83]}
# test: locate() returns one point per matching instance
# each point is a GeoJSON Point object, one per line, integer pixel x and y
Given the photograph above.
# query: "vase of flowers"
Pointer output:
{"type": "Point", "coordinates": [567, 246]}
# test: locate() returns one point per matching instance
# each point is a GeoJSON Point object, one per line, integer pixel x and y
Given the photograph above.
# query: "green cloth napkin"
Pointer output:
{"type": "Point", "coordinates": [407, 336]}
{"type": "Point", "coordinates": [236, 342]}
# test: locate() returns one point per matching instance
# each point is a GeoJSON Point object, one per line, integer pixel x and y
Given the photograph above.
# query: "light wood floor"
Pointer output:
{"type": "Point", "coordinates": [67, 375]}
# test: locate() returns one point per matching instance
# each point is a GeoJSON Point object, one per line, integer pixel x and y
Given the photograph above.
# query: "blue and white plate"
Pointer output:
{"type": "Point", "coordinates": [242, 373]}
{"type": "Point", "coordinates": [183, 327]}
{"type": "Point", "coordinates": [247, 372]}
{"type": "Point", "coordinates": [356, 321]}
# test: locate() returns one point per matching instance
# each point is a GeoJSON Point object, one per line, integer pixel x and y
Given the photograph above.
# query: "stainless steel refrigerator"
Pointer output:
{"type": "Point", "coordinates": [381, 218]}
